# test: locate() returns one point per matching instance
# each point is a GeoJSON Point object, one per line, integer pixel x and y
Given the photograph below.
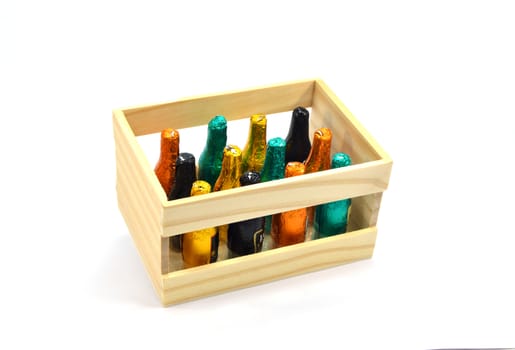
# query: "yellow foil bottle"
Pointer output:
{"type": "Point", "coordinates": [229, 178]}
{"type": "Point", "coordinates": [165, 167]}
{"type": "Point", "coordinates": [200, 247]}
{"type": "Point", "coordinates": [289, 227]}
{"type": "Point", "coordinates": [319, 158]}
{"type": "Point", "coordinates": [254, 152]}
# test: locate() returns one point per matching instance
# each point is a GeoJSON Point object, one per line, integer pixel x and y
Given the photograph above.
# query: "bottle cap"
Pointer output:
{"type": "Point", "coordinates": [250, 178]}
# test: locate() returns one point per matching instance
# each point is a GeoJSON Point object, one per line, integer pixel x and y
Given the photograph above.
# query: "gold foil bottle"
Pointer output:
{"type": "Point", "coordinates": [229, 178]}
{"type": "Point", "coordinates": [319, 157]}
{"type": "Point", "coordinates": [290, 227]}
{"type": "Point", "coordinates": [254, 152]}
{"type": "Point", "coordinates": [165, 167]}
{"type": "Point", "coordinates": [200, 247]}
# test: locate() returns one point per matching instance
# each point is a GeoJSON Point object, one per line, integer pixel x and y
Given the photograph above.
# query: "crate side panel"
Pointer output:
{"type": "Point", "coordinates": [134, 172]}
{"type": "Point", "coordinates": [275, 196]}
{"type": "Point", "coordinates": [364, 211]}
{"type": "Point", "coordinates": [147, 220]}
{"type": "Point", "coordinates": [233, 105]}
{"type": "Point", "coordinates": [145, 245]}
{"type": "Point", "coordinates": [349, 135]}
{"type": "Point", "coordinates": [268, 266]}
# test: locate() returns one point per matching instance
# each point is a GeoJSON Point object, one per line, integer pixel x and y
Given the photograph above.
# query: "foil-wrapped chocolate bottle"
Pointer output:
{"type": "Point", "coordinates": [331, 218]}
{"type": "Point", "coordinates": [289, 227]}
{"type": "Point", "coordinates": [210, 160]}
{"type": "Point", "coordinates": [254, 152]}
{"type": "Point", "coordinates": [246, 237]}
{"type": "Point", "coordinates": [185, 176]}
{"type": "Point", "coordinates": [200, 247]}
{"type": "Point", "coordinates": [229, 177]}
{"type": "Point", "coordinates": [319, 158]}
{"type": "Point", "coordinates": [273, 169]}
{"type": "Point", "coordinates": [297, 141]}
{"type": "Point", "coordinates": [165, 167]}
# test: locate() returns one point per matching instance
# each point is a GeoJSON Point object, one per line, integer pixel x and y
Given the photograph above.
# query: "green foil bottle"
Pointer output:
{"type": "Point", "coordinates": [254, 152]}
{"type": "Point", "coordinates": [273, 169]}
{"type": "Point", "coordinates": [210, 160]}
{"type": "Point", "coordinates": [331, 218]}
{"type": "Point", "coordinates": [185, 176]}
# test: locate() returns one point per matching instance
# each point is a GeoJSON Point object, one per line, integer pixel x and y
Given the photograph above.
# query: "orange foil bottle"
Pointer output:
{"type": "Point", "coordinates": [229, 178]}
{"type": "Point", "coordinates": [290, 227]}
{"type": "Point", "coordinates": [165, 167]}
{"type": "Point", "coordinates": [200, 247]}
{"type": "Point", "coordinates": [319, 158]}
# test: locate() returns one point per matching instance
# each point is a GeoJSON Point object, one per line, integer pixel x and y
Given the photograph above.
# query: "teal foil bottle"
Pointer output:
{"type": "Point", "coordinates": [185, 176]}
{"type": "Point", "coordinates": [273, 169]}
{"type": "Point", "coordinates": [298, 145]}
{"type": "Point", "coordinates": [247, 236]}
{"type": "Point", "coordinates": [210, 160]}
{"type": "Point", "coordinates": [331, 218]}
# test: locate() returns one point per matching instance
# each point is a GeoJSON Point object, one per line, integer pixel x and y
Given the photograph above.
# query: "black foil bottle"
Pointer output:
{"type": "Point", "coordinates": [246, 237]}
{"type": "Point", "coordinates": [297, 141]}
{"type": "Point", "coordinates": [185, 176]}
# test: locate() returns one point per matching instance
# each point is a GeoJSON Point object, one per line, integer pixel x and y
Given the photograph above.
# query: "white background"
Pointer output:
{"type": "Point", "coordinates": [433, 81]}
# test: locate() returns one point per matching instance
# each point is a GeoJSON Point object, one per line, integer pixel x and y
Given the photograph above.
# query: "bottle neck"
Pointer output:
{"type": "Point", "coordinates": [320, 155]}
{"type": "Point", "coordinates": [299, 126]}
{"type": "Point", "coordinates": [169, 145]}
{"type": "Point", "coordinates": [231, 169]}
{"type": "Point", "coordinates": [273, 168]}
{"type": "Point", "coordinates": [217, 134]}
{"type": "Point", "coordinates": [185, 175]}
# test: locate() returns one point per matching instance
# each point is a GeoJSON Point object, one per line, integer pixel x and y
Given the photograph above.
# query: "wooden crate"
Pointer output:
{"type": "Point", "coordinates": [152, 219]}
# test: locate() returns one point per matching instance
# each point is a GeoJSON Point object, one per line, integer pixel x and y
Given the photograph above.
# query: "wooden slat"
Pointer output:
{"type": "Point", "coordinates": [233, 105]}
{"type": "Point", "coordinates": [194, 213]}
{"type": "Point", "coordinates": [132, 164]}
{"type": "Point", "coordinates": [151, 229]}
{"type": "Point", "coordinates": [146, 248]}
{"type": "Point", "coordinates": [267, 266]}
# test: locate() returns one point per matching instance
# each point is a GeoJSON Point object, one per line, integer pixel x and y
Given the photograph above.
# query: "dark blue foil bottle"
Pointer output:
{"type": "Point", "coordinates": [185, 176]}
{"type": "Point", "coordinates": [246, 237]}
{"type": "Point", "coordinates": [297, 141]}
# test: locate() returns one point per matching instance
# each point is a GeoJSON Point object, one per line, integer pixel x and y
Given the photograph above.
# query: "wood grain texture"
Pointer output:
{"type": "Point", "coordinates": [137, 184]}
{"type": "Point", "coordinates": [152, 219]}
{"type": "Point", "coordinates": [349, 135]}
{"type": "Point", "coordinates": [267, 266]}
{"type": "Point", "coordinates": [194, 213]}
{"type": "Point", "coordinates": [233, 105]}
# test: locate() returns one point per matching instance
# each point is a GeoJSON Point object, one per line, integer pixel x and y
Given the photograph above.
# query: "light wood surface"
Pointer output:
{"type": "Point", "coordinates": [140, 197]}
{"type": "Point", "coordinates": [233, 105]}
{"type": "Point", "coordinates": [348, 133]}
{"type": "Point", "coordinates": [267, 266]}
{"type": "Point", "coordinates": [193, 213]}
{"type": "Point", "coordinates": [152, 219]}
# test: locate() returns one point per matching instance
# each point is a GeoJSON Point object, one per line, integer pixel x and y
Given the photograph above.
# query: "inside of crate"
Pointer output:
{"type": "Point", "coordinates": [362, 215]}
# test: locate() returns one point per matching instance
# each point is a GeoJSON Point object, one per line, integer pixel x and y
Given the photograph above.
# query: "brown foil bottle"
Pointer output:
{"type": "Point", "coordinates": [229, 178]}
{"type": "Point", "coordinates": [165, 167]}
{"type": "Point", "coordinates": [254, 152]}
{"type": "Point", "coordinates": [290, 227]}
{"type": "Point", "coordinates": [200, 247]}
{"type": "Point", "coordinates": [319, 157]}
